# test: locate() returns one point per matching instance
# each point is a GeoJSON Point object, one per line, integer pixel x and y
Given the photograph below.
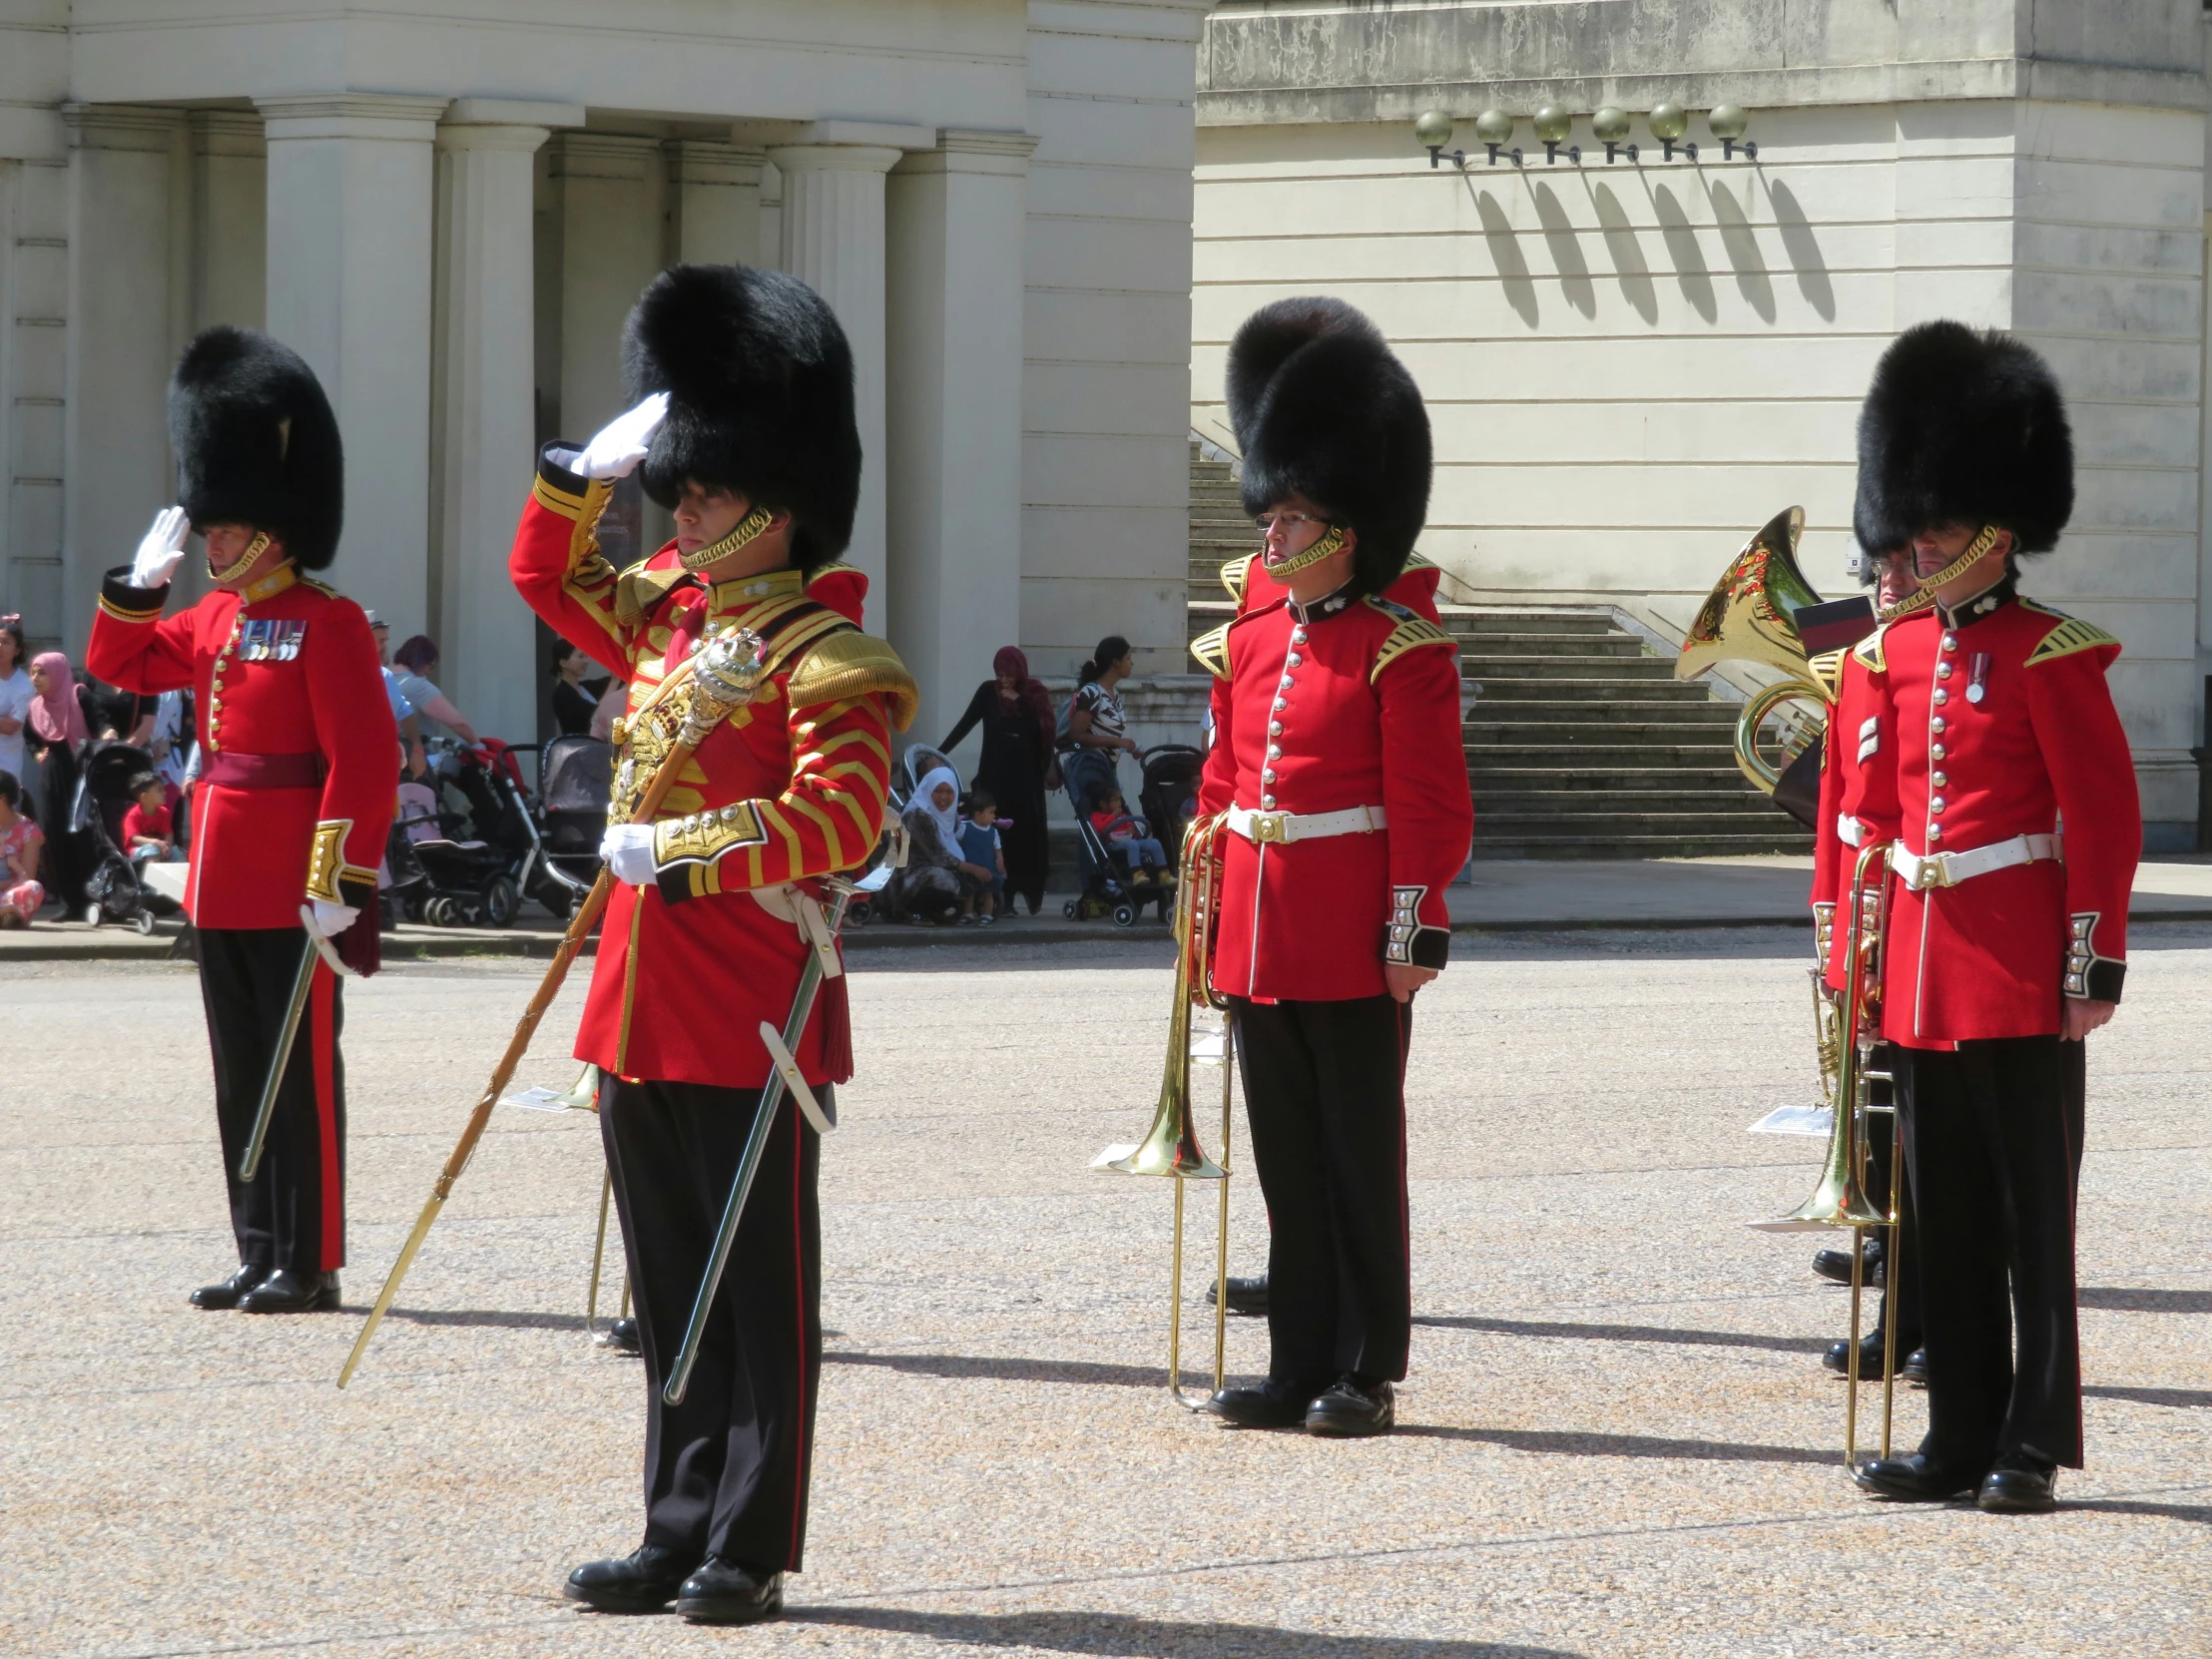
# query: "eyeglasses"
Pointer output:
{"type": "Point", "coordinates": [1288, 521]}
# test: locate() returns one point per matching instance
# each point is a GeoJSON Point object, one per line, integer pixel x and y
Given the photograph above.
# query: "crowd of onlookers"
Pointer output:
{"type": "Point", "coordinates": [971, 857]}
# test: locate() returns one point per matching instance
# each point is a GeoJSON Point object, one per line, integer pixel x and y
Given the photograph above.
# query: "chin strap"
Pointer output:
{"type": "Point", "coordinates": [231, 573]}
{"type": "Point", "coordinates": [749, 530]}
{"type": "Point", "coordinates": [1925, 594]}
{"type": "Point", "coordinates": [1332, 540]}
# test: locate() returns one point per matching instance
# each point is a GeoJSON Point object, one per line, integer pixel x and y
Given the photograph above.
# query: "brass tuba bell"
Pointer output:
{"type": "Point", "coordinates": [1751, 617]}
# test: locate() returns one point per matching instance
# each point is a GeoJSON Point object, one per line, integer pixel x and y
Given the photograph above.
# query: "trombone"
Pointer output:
{"type": "Point", "coordinates": [1170, 1148]}
{"type": "Point", "coordinates": [1842, 1198]}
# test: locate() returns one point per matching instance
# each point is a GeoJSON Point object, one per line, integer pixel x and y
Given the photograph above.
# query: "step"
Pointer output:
{"type": "Point", "coordinates": [1637, 847]}
{"type": "Point", "coordinates": [1505, 822]}
{"type": "Point", "coordinates": [1567, 741]}
{"type": "Point", "coordinates": [1479, 662]}
{"type": "Point", "coordinates": [1584, 691]}
{"type": "Point", "coordinates": [1708, 780]}
{"type": "Point", "coordinates": [1508, 647]}
{"type": "Point", "coordinates": [1562, 805]}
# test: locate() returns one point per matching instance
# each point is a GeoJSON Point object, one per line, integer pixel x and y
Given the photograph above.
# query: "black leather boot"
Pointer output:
{"type": "Point", "coordinates": [1248, 1297]}
{"type": "Point", "coordinates": [227, 1293]}
{"type": "Point", "coordinates": [722, 1592]}
{"type": "Point", "coordinates": [1279, 1403]}
{"type": "Point", "coordinates": [2020, 1485]}
{"type": "Point", "coordinates": [1914, 1479]}
{"type": "Point", "coordinates": [1353, 1406]}
{"type": "Point", "coordinates": [622, 1337]}
{"type": "Point", "coordinates": [644, 1581]}
{"type": "Point", "coordinates": [286, 1292]}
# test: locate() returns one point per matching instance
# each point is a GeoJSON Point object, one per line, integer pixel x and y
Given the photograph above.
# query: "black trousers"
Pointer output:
{"type": "Point", "coordinates": [1325, 1093]}
{"type": "Point", "coordinates": [1994, 1136]}
{"type": "Point", "coordinates": [726, 1473]}
{"type": "Point", "coordinates": [1903, 1298]}
{"type": "Point", "coordinates": [293, 1213]}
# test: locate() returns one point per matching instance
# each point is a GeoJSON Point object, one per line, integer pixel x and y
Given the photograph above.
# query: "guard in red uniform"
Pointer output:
{"type": "Point", "coordinates": [1338, 759]}
{"type": "Point", "coordinates": [297, 783]}
{"type": "Point", "coordinates": [746, 429]}
{"type": "Point", "coordinates": [2019, 831]}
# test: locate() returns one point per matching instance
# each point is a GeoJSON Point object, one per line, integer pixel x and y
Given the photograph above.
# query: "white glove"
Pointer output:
{"type": "Point", "coordinates": [329, 919]}
{"type": "Point", "coordinates": [623, 441]}
{"type": "Point", "coordinates": [628, 850]}
{"type": "Point", "coordinates": [160, 548]}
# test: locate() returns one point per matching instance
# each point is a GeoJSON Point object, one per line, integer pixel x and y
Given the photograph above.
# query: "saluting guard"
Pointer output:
{"type": "Point", "coordinates": [297, 791]}
{"type": "Point", "coordinates": [744, 425]}
{"type": "Point", "coordinates": [2018, 829]}
{"type": "Point", "coordinates": [1337, 762]}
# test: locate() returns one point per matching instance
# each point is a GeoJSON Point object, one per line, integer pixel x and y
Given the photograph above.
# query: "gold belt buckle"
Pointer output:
{"type": "Point", "coordinates": [1269, 827]}
{"type": "Point", "coordinates": [1933, 870]}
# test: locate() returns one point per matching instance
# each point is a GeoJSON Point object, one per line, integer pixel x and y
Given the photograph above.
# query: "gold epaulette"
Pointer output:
{"type": "Point", "coordinates": [1828, 668]}
{"type": "Point", "coordinates": [848, 662]}
{"type": "Point", "coordinates": [638, 590]}
{"type": "Point", "coordinates": [324, 588]}
{"type": "Point", "coordinates": [1412, 632]}
{"type": "Point", "coordinates": [1211, 649]}
{"type": "Point", "coordinates": [1236, 576]}
{"type": "Point", "coordinates": [2072, 634]}
{"type": "Point", "coordinates": [834, 568]}
{"type": "Point", "coordinates": [1872, 652]}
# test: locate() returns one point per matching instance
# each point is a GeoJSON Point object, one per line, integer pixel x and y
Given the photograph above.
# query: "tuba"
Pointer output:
{"type": "Point", "coordinates": [1752, 616]}
{"type": "Point", "coordinates": [1171, 1147]}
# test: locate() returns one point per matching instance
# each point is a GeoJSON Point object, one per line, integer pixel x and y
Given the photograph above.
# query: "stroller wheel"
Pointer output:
{"type": "Point", "coordinates": [1125, 915]}
{"type": "Point", "coordinates": [501, 901]}
{"type": "Point", "coordinates": [1068, 909]}
{"type": "Point", "coordinates": [438, 912]}
{"type": "Point", "coordinates": [142, 921]}
{"type": "Point", "coordinates": [93, 917]}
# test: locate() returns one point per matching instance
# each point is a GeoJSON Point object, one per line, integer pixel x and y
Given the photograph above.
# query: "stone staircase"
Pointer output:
{"type": "Point", "coordinates": [1581, 744]}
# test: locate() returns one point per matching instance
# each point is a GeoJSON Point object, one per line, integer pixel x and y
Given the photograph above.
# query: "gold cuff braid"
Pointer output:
{"type": "Point", "coordinates": [327, 860]}
{"type": "Point", "coordinates": [702, 837]}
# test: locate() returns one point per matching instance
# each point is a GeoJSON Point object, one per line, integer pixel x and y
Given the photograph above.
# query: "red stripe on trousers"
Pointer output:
{"type": "Point", "coordinates": [327, 1115]}
{"type": "Point", "coordinates": [799, 1268]}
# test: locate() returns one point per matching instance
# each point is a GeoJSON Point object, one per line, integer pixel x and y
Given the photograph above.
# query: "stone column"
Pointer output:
{"type": "Point", "coordinates": [609, 187]}
{"type": "Point", "coordinates": [716, 200]}
{"type": "Point", "coordinates": [954, 366]}
{"type": "Point", "coordinates": [349, 237]}
{"type": "Point", "coordinates": [230, 209]}
{"type": "Point", "coordinates": [123, 230]}
{"type": "Point", "coordinates": [482, 419]}
{"type": "Point", "coordinates": [832, 233]}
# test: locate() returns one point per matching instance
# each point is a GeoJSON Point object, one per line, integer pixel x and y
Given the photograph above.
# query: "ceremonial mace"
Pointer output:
{"type": "Point", "coordinates": [724, 676]}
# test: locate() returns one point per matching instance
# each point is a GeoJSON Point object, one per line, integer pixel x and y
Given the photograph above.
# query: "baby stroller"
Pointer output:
{"type": "Point", "coordinates": [1169, 794]}
{"type": "Point", "coordinates": [575, 784]}
{"type": "Point", "coordinates": [114, 891]}
{"type": "Point", "coordinates": [1087, 774]}
{"type": "Point", "coordinates": [477, 866]}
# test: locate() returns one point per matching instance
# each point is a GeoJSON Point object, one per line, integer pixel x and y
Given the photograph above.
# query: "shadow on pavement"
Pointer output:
{"type": "Point", "coordinates": [486, 1316]}
{"type": "Point", "coordinates": [2149, 1396]}
{"type": "Point", "coordinates": [1008, 1370]}
{"type": "Point", "coordinates": [1573, 1444]}
{"type": "Point", "coordinates": [1627, 1333]}
{"type": "Point", "coordinates": [2197, 1513]}
{"type": "Point", "coordinates": [1122, 1636]}
{"type": "Point", "coordinates": [2145, 1302]}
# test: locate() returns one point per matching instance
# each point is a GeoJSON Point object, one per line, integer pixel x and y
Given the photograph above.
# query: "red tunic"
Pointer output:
{"type": "Point", "coordinates": [285, 680]}
{"type": "Point", "coordinates": [1346, 704]}
{"type": "Point", "coordinates": [788, 789]}
{"type": "Point", "coordinates": [2039, 748]}
{"type": "Point", "coordinates": [1859, 804]}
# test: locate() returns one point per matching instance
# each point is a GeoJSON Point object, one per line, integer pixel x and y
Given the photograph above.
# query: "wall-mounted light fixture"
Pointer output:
{"type": "Point", "coordinates": [1729, 122]}
{"type": "Point", "coordinates": [1553, 124]}
{"type": "Point", "coordinates": [1669, 124]}
{"type": "Point", "coordinates": [1495, 128]}
{"type": "Point", "coordinates": [1610, 125]}
{"type": "Point", "coordinates": [1432, 132]}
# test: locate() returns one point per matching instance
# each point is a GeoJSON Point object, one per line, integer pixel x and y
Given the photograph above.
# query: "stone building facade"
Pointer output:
{"type": "Point", "coordinates": [1632, 365]}
{"type": "Point", "coordinates": [448, 211]}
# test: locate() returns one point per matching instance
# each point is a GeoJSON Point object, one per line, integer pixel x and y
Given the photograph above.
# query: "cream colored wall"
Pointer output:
{"type": "Point", "coordinates": [1105, 490]}
{"type": "Point", "coordinates": [1630, 368]}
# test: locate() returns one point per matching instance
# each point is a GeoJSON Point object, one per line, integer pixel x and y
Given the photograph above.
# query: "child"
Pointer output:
{"type": "Point", "coordinates": [981, 853]}
{"type": "Point", "coordinates": [20, 893]}
{"type": "Point", "coordinates": [1126, 836]}
{"type": "Point", "coordinates": [148, 837]}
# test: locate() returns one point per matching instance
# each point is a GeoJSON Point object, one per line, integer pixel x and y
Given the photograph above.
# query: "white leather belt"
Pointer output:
{"type": "Point", "coordinates": [1262, 827]}
{"type": "Point", "coordinates": [1947, 870]}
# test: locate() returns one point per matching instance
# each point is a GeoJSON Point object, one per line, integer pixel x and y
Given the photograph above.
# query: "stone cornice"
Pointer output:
{"type": "Point", "coordinates": [352, 115]}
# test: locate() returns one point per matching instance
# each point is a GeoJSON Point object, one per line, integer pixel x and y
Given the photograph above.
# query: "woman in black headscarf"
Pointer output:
{"type": "Point", "coordinates": [1017, 767]}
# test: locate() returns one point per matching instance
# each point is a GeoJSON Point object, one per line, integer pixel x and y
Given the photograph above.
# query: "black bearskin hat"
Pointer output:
{"type": "Point", "coordinates": [1323, 410]}
{"type": "Point", "coordinates": [760, 384]}
{"type": "Point", "coordinates": [255, 442]}
{"type": "Point", "coordinates": [1964, 428]}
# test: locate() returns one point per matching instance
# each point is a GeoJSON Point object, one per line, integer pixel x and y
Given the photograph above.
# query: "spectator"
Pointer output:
{"type": "Point", "coordinates": [982, 854]}
{"type": "Point", "coordinates": [575, 702]}
{"type": "Point", "coordinates": [935, 884]}
{"type": "Point", "coordinates": [411, 758]}
{"type": "Point", "coordinates": [417, 660]}
{"type": "Point", "coordinates": [1017, 766]}
{"type": "Point", "coordinates": [20, 893]}
{"type": "Point", "coordinates": [1130, 837]}
{"type": "Point", "coordinates": [15, 694]}
{"type": "Point", "coordinates": [1096, 725]}
{"type": "Point", "coordinates": [58, 732]}
{"type": "Point", "coordinates": [148, 836]}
